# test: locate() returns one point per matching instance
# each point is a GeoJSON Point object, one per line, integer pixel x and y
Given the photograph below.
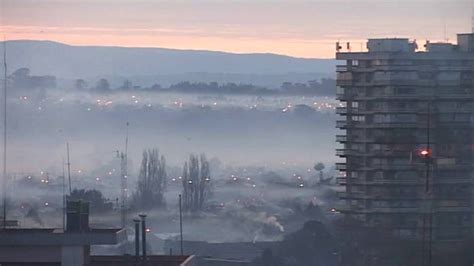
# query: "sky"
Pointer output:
{"type": "Point", "coordinates": [291, 27]}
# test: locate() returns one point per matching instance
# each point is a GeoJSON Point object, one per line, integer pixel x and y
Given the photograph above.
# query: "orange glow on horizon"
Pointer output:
{"type": "Point", "coordinates": [303, 48]}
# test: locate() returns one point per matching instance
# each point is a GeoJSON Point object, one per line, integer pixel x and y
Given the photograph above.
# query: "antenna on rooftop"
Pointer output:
{"type": "Point", "coordinates": [123, 180]}
{"type": "Point", "coordinates": [68, 168]}
{"type": "Point", "coordinates": [64, 196]}
{"type": "Point", "coordinates": [472, 21]}
{"type": "Point", "coordinates": [123, 184]}
{"type": "Point", "coordinates": [4, 183]}
{"type": "Point", "coordinates": [445, 38]}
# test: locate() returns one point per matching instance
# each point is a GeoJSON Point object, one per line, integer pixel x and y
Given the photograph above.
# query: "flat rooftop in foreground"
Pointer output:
{"type": "Point", "coordinates": [58, 237]}
{"type": "Point", "coordinates": [158, 260]}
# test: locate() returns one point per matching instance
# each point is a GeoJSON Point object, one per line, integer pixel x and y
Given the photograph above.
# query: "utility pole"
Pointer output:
{"type": "Point", "coordinates": [427, 248]}
{"type": "Point", "coordinates": [180, 226]}
{"type": "Point", "coordinates": [68, 168]}
{"type": "Point", "coordinates": [64, 196]}
{"type": "Point", "coordinates": [123, 181]}
{"type": "Point", "coordinates": [4, 183]}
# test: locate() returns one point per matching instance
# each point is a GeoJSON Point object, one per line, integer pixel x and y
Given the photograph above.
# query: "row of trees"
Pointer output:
{"type": "Point", "coordinates": [324, 87]}
{"type": "Point", "coordinates": [195, 180]}
{"type": "Point", "coordinates": [152, 182]}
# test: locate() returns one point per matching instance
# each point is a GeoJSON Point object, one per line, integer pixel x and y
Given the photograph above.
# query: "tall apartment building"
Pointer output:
{"type": "Point", "coordinates": [408, 146]}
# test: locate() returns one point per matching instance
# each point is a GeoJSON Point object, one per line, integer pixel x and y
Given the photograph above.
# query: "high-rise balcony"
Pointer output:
{"type": "Point", "coordinates": [344, 82]}
{"type": "Point", "coordinates": [344, 96]}
{"type": "Point", "coordinates": [345, 152]}
{"type": "Point", "coordinates": [421, 124]}
{"type": "Point", "coordinates": [398, 82]}
{"type": "Point", "coordinates": [343, 180]}
{"type": "Point", "coordinates": [391, 152]}
{"type": "Point", "coordinates": [343, 68]}
{"type": "Point", "coordinates": [341, 138]}
{"type": "Point", "coordinates": [341, 166]}
{"type": "Point", "coordinates": [342, 124]}
{"type": "Point", "coordinates": [395, 166]}
{"type": "Point", "coordinates": [353, 195]}
{"type": "Point", "coordinates": [393, 210]}
{"type": "Point", "coordinates": [341, 110]}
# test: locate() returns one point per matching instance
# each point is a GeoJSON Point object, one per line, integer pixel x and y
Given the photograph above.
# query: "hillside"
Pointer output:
{"type": "Point", "coordinates": [69, 62]}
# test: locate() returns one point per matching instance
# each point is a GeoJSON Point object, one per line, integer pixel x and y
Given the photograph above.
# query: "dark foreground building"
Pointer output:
{"type": "Point", "coordinates": [71, 247]}
{"type": "Point", "coordinates": [408, 137]}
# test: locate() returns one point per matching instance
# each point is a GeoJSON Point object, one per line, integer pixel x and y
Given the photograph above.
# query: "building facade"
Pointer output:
{"type": "Point", "coordinates": [407, 138]}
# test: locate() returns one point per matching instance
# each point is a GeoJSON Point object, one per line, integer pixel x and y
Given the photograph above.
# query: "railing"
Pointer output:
{"type": "Point", "coordinates": [344, 82]}
{"type": "Point", "coordinates": [416, 110]}
{"type": "Point", "coordinates": [341, 124]}
{"type": "Point", "coordinates": [341, 166]}
{"type": "Point", "coordinates": [354, 194]}
{"type": "Point", "coordinates": [395, 166]}
{"type": "Point", "coordinates": [394, 209]}
{"type": "Point", "coordinates": [400, 82]}
{"type": "Point", "coordinates": [343, 180]}
{"type": "Point", "coordinates": [398, 181]}
{"type": "Point", "coordinates": [393, 125]}
{"type": "Point", "coordinates": [343, 68]}
{"type": "Point", "coordinates": [344, 96]}
{"type": "Point", "coordinates": [387, 152]}
{"type": "Point", "coordinates": [363, 181]}
{"type": "Point", "coordinates": [341, 138]}
{"type": "Point", "coordinates": [341, 110]}
{"type": "Point", "coordinates": [460, 166]}
{"type": "Point", "coordinates": [345, 152]}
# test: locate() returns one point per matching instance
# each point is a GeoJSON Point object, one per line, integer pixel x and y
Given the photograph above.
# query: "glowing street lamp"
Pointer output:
{"type": "Point", "coordinates": [425, 153]}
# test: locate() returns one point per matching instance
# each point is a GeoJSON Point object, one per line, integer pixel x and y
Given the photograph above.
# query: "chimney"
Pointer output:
{"type": "Point", "coordinates": [143, 217]}
{"type": "Point", "coordinates": [137, 239]}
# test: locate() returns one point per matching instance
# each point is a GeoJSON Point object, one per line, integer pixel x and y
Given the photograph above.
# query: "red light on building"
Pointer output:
{"type": "Point", "coordinates": [425, 153]}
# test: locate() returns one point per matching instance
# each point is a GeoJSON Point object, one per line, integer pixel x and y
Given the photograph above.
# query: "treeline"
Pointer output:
{"type": "Point", "coordinates": [21, 80]}
{"type": "Point", "coordinates": [323, 87]}
{"type": "Point", "coordinates": [151, 186]}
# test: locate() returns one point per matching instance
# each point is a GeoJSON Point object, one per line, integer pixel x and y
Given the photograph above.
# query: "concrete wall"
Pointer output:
{"type": "Point", "coordinates": [30, 254]}
{"type": "Point", "coordinates": [72, 256]}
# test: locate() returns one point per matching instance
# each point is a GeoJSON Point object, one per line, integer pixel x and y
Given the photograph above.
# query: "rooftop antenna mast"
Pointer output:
{"type": "Point", "coordinates": [427, 237]}
{"type": "Point", "coordinates": [4, 183]}
{"type": "Point", "coordinates": [472, 21]}
{"type": "Point", "coordinates": [123, 181]}
{"type": "Point", "coordinates": [445, 38]}
{"type": "Point", "coordinates": [64, 196]}
{"type": "Point", "coordinates": [68, 168]}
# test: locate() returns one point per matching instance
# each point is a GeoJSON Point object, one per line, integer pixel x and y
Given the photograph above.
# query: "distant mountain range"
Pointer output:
{"type": "Point", "coordinates": [90, 62]}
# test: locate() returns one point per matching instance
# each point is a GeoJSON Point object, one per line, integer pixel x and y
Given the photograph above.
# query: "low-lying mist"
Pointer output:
{"type": "Point", "coordinates": [239, 130]}
{"type": "Point", "coordinates": [261, 151]}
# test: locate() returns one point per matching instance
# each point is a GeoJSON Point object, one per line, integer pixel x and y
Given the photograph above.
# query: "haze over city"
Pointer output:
{"type": "Point", "coordinates": [237, 132]}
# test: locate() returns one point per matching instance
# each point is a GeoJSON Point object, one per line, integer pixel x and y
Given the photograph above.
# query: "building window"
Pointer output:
{"type": "Point", "coordinates": [358, 118]}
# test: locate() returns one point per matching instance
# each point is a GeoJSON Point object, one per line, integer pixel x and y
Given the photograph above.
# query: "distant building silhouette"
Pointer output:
{"type": "Point", "coordinates": [21, 79]}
